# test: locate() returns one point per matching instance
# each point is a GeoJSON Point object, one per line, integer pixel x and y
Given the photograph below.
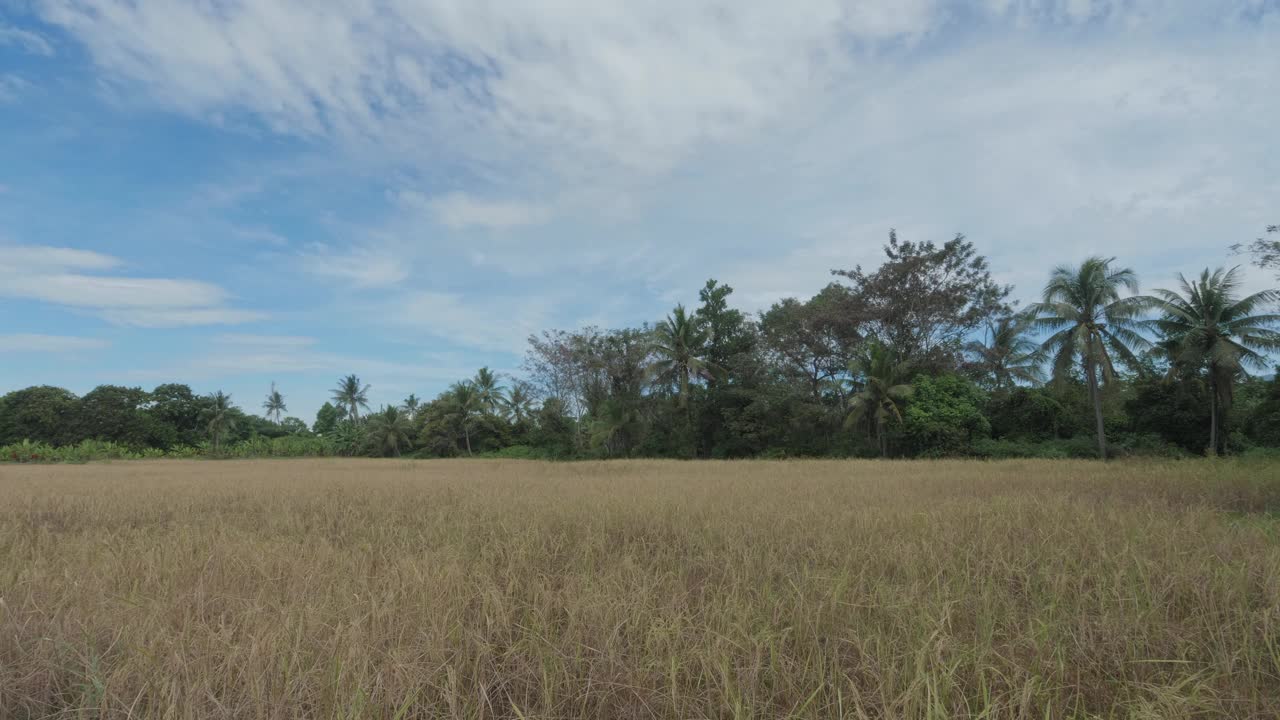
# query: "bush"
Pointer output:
{"type": "Point", "coordinates": [944, 416]}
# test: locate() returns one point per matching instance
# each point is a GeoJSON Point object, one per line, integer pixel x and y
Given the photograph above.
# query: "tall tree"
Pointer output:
{"type": "Point", "coordinates": [729, 334]}
{"type": "Point", "coordinates": [883, 384]}
{"type": "Point", "coordinates": [926, 298]}
{"type": "Point", "coordinates": [220, 416]}
{"type": "Point", "coordinates": [326, 419]}
{"type": "Point", "coordinates": [1092, 325]}
{"type": "Point", "coordinates": [1209, 327]}
{"type": "Point", "coordinates": [122, 415]}
{"type": "Point", "coordinates": [274, 405]}
{"type": "Point", "coordinates": [1265, 251]}
{"type": "Point", "coordinates": [388, 431]}
{"type": "Point", "coordinates": [176, 405]}
{"type": "Point", "coordinates": [813, 342]}
{"type": "Point", "coordinates": [464, 404]}
{"type": "Point", "coordinates": [488, 391]}
{"type": "Point", "coordinates": [411, 405]}
{"type": "Point", "coordinates": [351, 396]}
{"type": "Point", "coordinates": [1006, 355]}
{"type": "Point", "coordinates": [518, 404]}
{"type": "Point", "coordinates": [678, 344]}
{"type": "Point", "coordinates": [41, 414]}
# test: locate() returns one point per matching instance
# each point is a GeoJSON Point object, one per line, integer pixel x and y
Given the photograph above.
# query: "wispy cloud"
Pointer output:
{"type": "Point", "coordinates": [461, 210]}
{"type": "Point", "coordinates": [58, 275]}
{"type": "Point", "coordinates": [11, 87]}
{"type": "Point", "coordinates": [34, 343]}
{"type": "Point", "coordinates": [492, 323]}
{"type": "Point", "coordinates": [538, 164]}
{"type": "Point", "coordinates": [361, 267]}
{"type": "Point", "coordinates": [26, 40]}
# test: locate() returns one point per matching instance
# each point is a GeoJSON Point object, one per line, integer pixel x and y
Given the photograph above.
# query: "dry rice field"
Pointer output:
{"type": "Point", "coordinates": [496, 589]}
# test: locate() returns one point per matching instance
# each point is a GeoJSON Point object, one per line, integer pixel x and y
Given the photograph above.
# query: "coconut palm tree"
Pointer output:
{"type": "Point", "coordinates": [518, 403]}
{"type": "Point", "coordinates": [1208, 327]}
{"type": "Point", "coordinates": [1007, 356]}
{"type": "Point", "coordinates": [464, 403]}
{"type": "Point", "coordinates": [884, 387]}
{"type": "Point", "coordinates": [411, 405]}
{"type": "Point", "coordinates": [1091, 324]}
{"type": "Point", "coordinates": [677, 342]}
{"type": "Point", "coordinates": [220, 417]}
{"type": "Point", "coordinates": [488, 391]}
{"type": "Point", "coordinates": [388, 430]}
{"type": "Point", "coordinates": [351, 396]}
{"type": "Point", "coordinates": [274, 404]}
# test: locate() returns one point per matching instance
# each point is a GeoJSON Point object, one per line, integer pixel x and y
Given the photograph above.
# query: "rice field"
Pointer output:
{"type": "Point", "coordinates": [645, 589]}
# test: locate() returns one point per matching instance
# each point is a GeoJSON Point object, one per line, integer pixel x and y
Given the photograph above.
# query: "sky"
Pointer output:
{"type": "Point", "coordinates": [229, 193]}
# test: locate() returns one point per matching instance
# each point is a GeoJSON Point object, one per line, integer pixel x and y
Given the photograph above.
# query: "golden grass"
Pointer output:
{"type": "Point", "coordinates": [389, 589]}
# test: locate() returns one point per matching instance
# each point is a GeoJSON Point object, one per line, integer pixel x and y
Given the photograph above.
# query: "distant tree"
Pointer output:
{"type": "Point", "coordinates": [351, 395]}
{"type": "Point", "coordinates": [327, 418]}
{"type": "Point", "coordinates": [121, 415]}
{"type": "Point", "coordinates": [411, 405]}
{"type": "Point", "coordinates": [1006, 356]}
{"type": "Point", "coordinates": [1025, 413]}
{"type": "Point", "coordinates": [274, 405]}
{"type": "Point", "coordinates": [883, 390]}
{"type": "Point", "coordinates": [813, 342]}
{"type": "Point", "coordinates": [388, 431]}
{"type": "Point", "coordinates": [1264, 420]}
{"type": "Point", "coordinates": [488, 391]}
{"type": "Point", "coordinates": [175, 405]}
{"type": "Point", "coordinates": [729, 335]}
{"type": "Point", "coordinates": [926, 299]}
{"type": "Point", "coordinates": [1092, 325]}
{"type": "Point", "coordinates": [1208, 326]}
{"type": "Point", "coordinates": [554, 431]}
{"type": "Point", "coordinates": [678, 344]}
{"type": "Point", "coordinates": [350, 437]}
{"type": "Point", "coordinates": [945, 415]}
{"type": "Point", "coordinates": [220, 418]}
{"type": "Point", "coordinates": [518, 403]}
{"type": "Point", "coordinates": [41, 414]}
{"type": "Point", "coordinates": [1174, 408]}
{"type": "Point", "coordinates": [1265, 251]}
{"type": "Point", "coordinates": [294, 426]}
{"type": "Point", "coordinates": [559, 365]}
{"type": "Point", "coordinates": [464, 403]}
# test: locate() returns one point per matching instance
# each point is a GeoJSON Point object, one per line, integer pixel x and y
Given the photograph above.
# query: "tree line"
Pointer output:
{"type": "Point", "coordinates": [922, 356]}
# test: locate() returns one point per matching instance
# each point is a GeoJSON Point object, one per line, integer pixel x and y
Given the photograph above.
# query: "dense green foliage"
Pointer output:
{"type": "Point", "coordinates": [922, 357]}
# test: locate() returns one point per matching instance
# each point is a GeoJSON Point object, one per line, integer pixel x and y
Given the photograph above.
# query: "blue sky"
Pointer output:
{"type": "Point", "coordinates": [230, 193]}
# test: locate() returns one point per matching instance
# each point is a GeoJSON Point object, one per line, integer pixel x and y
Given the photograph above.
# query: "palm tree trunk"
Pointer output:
{"type": "Point", "coordinates": [466, 433]}
{"type": "Point", "coordinates": [884, 447]}
{"type": "Point", "coordinates": [1096, 396]}
{"type": "Point", "coordinates": [684, 388]}
{"type": "Point", "coordinates": [1213, 415]}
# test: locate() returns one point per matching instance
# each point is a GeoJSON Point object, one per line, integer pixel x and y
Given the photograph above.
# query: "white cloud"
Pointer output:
{"type": "Point", "coordinates": [25, 40]}
{"type": "Point", "coordinates": [11, 86]}
{"type": "Point", "coordinates": [42, 273]}
{"type": "Point", "coordinates": [181, 317]}
{"type": "Point", "coordinates": [262, 236]}
{"type": "Point", "coordinates": [762, 143]}
{"type": "Point", "coordinates": [267, 341]}
{"type": "Point", "coordinates": [112, 292]}
{"type": "Point", "coordinates": [362, 267]}
{"type": "Point", "coordinates": [461, 210]}
{"type": "Point", "coordinates": [48, 343]}
{"type": "Point", "coordinates": [40, 258]}
{"type": "Point", "coordinates": [491, 323]}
